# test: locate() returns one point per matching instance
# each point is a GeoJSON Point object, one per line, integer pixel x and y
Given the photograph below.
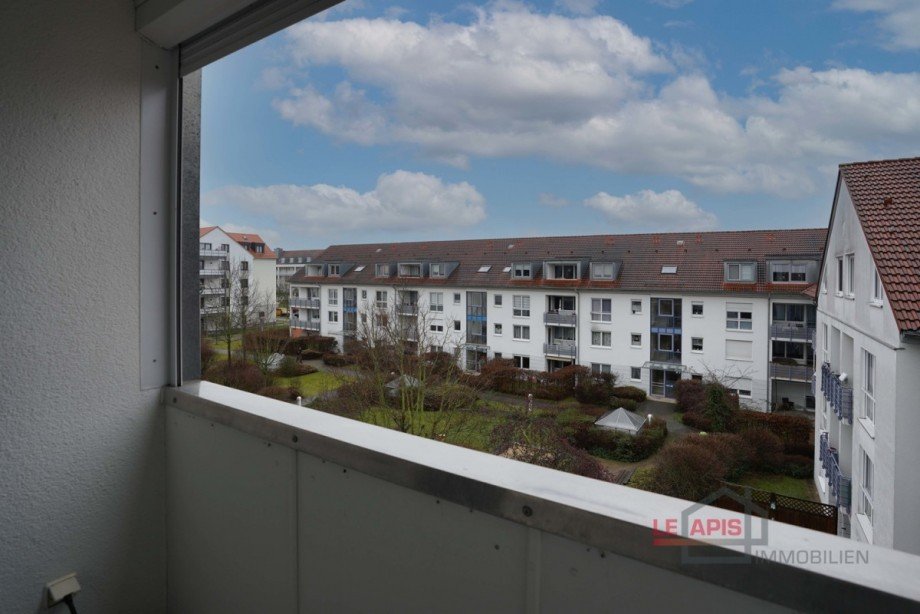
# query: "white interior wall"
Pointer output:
{"type": "Point", "coordinates": [82, 465]}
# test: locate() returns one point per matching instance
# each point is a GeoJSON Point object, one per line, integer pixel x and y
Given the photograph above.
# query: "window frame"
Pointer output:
{"type": "Point", "coordinates": [519, 311]}
{"type": "Point", "coordinates": [606, 316]}
{"type": "Point", "coordinates": [693, 344]}
{"type": "Point", "coordinates": [436, 305]}
{"type": "Point", "coordinates": [869, 379]}
{"type": "Point", "coordinates": [520, 328]}
{"type": "Point", "coordinates": [632, 371]}
{"type": "Point", "coordinates": [604, 335]}
{"type": "Point", "coordinates": [878, 290]}
{"type": "Point", "coordinates": [850, 287]}
{"type": "Point", "coordinates": [516, 268]}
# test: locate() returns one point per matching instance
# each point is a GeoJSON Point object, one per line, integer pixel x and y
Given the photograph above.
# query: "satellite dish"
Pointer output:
{"type": "Point", "coordinates": [842, 377]}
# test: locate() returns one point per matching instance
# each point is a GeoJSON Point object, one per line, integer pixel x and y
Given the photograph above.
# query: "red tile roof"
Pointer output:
{"type": "Point", "coordinates": [886, 195]}
{"type": "Point", "coordinates": [300, 253]}
{"type": "Point", "coordinates": [241, 238]}
{"type": "Point", "coordinates": [699, 258]}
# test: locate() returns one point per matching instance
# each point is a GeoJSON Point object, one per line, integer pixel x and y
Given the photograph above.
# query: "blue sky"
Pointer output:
{"type": "Point", "coordinates": [381, 121]}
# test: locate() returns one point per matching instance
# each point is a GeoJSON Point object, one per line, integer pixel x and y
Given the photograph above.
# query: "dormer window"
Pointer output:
{"type": "Point", "coordinates": [382, 270]}
{"type": "Point", "coordinates": [410, 270]}
{"type": "Point", "coordinates": [563, 270]}
{"type": "Point", "coordinates": [669, 269]}
{"type": "Point", "coordinates": [315, 270]}
{"type": "Point", "coordinates": [741, 271]}
{"type": "Point", "coordinates": [438, 269]}
{"type": "Point", "coordinates": [334, 270]}
{"type": "Point", "coordinates": [788, 272]}
{"type": "Point", "coordinates": [523, 271]}
{"type": "Point", "coordinates": [602, 270]}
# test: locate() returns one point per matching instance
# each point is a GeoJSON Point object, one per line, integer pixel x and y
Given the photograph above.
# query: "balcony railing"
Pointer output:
{"type": "Point", "coordinates": [475, 312]}
{"type": "Point", "coordinates": [407, 309]}
{"type": "Point", "coordinates": [838, 394]}
{"type": "Point", "coordinates": [350, 305]}
{"type": "Point", "coordinates": [213, 253]}
{"type": "Point", "coordinates": [476, 338]}
{"type": "Point", "coordinates": [560, 317]}
{"type": "Point", "coordinates": [213, 272]}
{"type": "Point", "coordinates": [306, 474]}
{"type": "Point", "coordinates": [213, 291]}
{"type": "Point", "coordinates": [666, 324]}
{"type": "Point", "coordinates": [305, 303]}
{"type": "Point", "coordinates": [793, 331]}
{"type": "Point", "coordinates": [305, 324]}
{"type": "Point", "coordinates": [795, 373]}
{"type": "Point", "coordinates": [212, 309]}
{"type": "Point", "coordinates": [567, 350]}
{"type": "Point", "coordinates": [840, 484]}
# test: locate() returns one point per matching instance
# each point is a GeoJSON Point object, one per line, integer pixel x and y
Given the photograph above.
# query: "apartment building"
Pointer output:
{"type": "Point", "coordinates": [868, 346]}
{"type": "Point", "coordinates": [651, 308]}
{"type": "Point", "coordinates": [234, 268]}
{"type": "Point", "coordinates": [288, 262]}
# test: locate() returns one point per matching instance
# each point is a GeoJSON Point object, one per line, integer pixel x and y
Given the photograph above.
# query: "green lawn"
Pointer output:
{"type": "Point", "coordinates": [315, 383]}
{"type": "Point", "coordinates": [470, 429]}
{"type": "Point", "coordinates": [781, 484]}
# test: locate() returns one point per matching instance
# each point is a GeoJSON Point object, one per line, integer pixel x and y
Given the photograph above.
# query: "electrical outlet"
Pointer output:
{"type": "Point", "coordinates": [56, 590]}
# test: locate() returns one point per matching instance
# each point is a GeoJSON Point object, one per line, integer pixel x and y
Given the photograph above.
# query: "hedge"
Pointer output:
{"type": "Point", "coordinates": [628, 404]}
{"type": "Point", "coordinates": [289, 367]}
{"type": "Point", "coordinates": [282, 393]}
{"type": "Point", "coordinates": [310, 354]}
{"type": "Point", "coordinates": [796, 431]}
{"type": "Point", "coordinates": [614, 445]}
{"type": "Point", "coordinates": [338, 360]}
{"type": "Point", "coordinates": [629, 392]}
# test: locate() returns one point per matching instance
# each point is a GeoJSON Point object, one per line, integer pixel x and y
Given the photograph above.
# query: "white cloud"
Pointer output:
{"type": "Point", "coordinates": [587, 90]}
{"type": "Point", "coordinates": [649, 210]}
{"type": "Point", "coordinates": [272, 238]}
{"type": "Point", "coordinates": [899, 19]}
{"type": "Point", "coordinates": [400, 201]}
{"type": "Point", "coordinates": [551, 200]}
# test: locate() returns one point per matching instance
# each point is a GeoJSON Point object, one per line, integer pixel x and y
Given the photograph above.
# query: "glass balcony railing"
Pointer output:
{"type": "Point", "coordinates": [793, 331]}
{"type": "Point", "coordinates": [792, 372]}
{"type": "Point", "coordinates": [567, 350]}
{"type": "Point", "coordinates": [560, 317]}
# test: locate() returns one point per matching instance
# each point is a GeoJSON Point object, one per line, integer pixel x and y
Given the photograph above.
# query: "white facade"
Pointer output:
{"type": "Point", "coordinates": [602, 339]}
{"type": "Point", "coordinates": [224, 264]}
{"type": "Point", "coordinates": [872, 453]}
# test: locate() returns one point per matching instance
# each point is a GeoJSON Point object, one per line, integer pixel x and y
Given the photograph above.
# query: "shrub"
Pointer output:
{"type": "Point", "coordinates": [765, 447]}
{"type": "Point", "coordinates": [630, 392]}
{"type": "Point", "coordinates": [690, 395]}
{"type": "Point", "coordinates": [687, 471]}
{"type": "Point", "coordinates": [792, 430]}
{"type": "Point", "coordinates": [614, 445]}
{"type": "Point", "coordinates": [642, 478]}
{"type": "Point", "coordinates": [799, 449]}
{"type": "Point", "coordinates": [208, 355]}
{"type": "Point", "coordinates": [282, 393]}
{"type": "Point", "coordinates": [270, 340]}
{"type": "Point", "coordinates": [338, 360]}
{"type": "Point", "coordinates": [310, 354]}
{"type": "Point", "coordinates": [594, 388]}
{"type": "Point", "coordinates": [697, 420]}
{"type": "Point", "coordinates": [240, 375]}
{"type": "Point", "coordinates": [567, 378]}
{"type": "Point", "coordinates": [571, 420]}
{"type": "Point", "coordinates": [289, 367]}
{"type": "Point", "coordinates": [449, 397]}
{"type": "Point", "coordinates": [721, 405]}
{"type": "Point", "coordinates": [323, 345]}
{"type": "Point", "coordinates": [628, 404]}
{"type": "Point", "coordinates": [797, 466]}
{"type": "Point", "coordinates": [731, 450]}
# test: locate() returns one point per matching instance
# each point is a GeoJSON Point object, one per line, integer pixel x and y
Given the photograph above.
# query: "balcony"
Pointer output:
{"type": "Point", "coordinates": [213, 253]}
{"type": "Point", "coordinates": [669, 356]}
{"type": "Point", "coordinates": [305, 324]}
{"type": "Point", "coordinates": [792, 331]}
{"type": "Point", "coordinates": [471, 530]}
{"type": "Point", "coordinates": [212, 291]}
{"type": "Point", "coordinates": [212, 309]}
{"type": "Point", "coordinates": [476, 313]}
{"type": "Point", "coordinates": [840, 484]}
{"type": "Point", "coordinates": [838, 394]}
{"type": "Point", "coordinates": [407, 309]}
{"type": "Point", "coordinates": [565, 350]}
{"type": "Point", "coordinates": [213, 272]}
{"type": "Point", "coordinates": [350, 305]}
{"type": "Point", "coordinates": [793, 373]}
{"type": "Point", "coordinates": [478, 339]}
{"type": "Point", "coordinates": [560, 317]}
{"type": "Point", "coordinates": [305, 303]}
{"type": "Point", "coordinates": [666, 324]}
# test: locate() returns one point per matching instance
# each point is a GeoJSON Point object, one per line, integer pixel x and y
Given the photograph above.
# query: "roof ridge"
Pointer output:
{"type": "Point", "coordinates": [882, 161]}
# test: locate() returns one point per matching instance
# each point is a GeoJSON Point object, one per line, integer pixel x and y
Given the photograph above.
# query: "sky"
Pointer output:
{"type": "Point", "coordinates": [399, 121]}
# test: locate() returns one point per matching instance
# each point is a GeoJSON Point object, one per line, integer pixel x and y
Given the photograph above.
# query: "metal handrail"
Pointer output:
{"type": "Point", "coordinates": [560, 349]}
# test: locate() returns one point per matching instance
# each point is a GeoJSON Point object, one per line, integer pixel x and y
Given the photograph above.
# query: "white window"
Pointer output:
{"type": "Point", "coordinates": [225, 247]}
{"type": "Point", "coordinates": [563, 271]}
{"type": "Point", "coordinates": [786, 272]}
{"type": "Point", "coordinates": [739, 350]}
{"type": "Point", "coordinates": [601, 338]}
{"type": "Point", "coordinates": [851, 275]}
{"type": "Point", "coordinates": [205, 246]}
{"type": "Point", "coordinates": [520, 305]}
{"type": "Point", "coordinates": [636, 306]}
{"type": "Point", "coordinates": [744, 393]}
{"type": "Point", "coordinates": [868, 386]}
{"type": "Point", "coordinates": [741, 271]}
{"type": "Point", "coordinates": [334, 270]}
{"type": "Point", "coordinates": [868, 479]}
{"type": "Point", "coordinates": [696, 309]}
{"type": "Point", "coordinates": [602, 270]}
{"type": "Point", "coordinates": [522, 362]}
{"type": "Point", "coordinates": [436, 301]}
{"type": "Point", "coordinates": [438, 269]}
{"type": "Point", "coordinates": [635, 373]}
{"type": "Point", "coordinates": [666, 343]}
{"type": "Point", "coordinates": [598, 368]}
{"type": "Point", "coordinates": [600, 310]}
{"type": "Point", "coordinates": [382, 270]}
{"type": "Point", "coordinates": [523, 271]}
{"type": "Point", "coordinates": [665, 307]}
{"type": "Point", "coordinates": [456, 298]}
{"type": "Point", "coordinates": [738, 316]}
{"type": "Point", "coordinates": [437, 328]}
{"type": "Point", "coordinates": [696, 344]}
{"type": "Point", "coordinates": [669, 270]}
{"type": "Point", "coordinates": [497, 300]}
{"type": "Point", "coordinates": [485, 268]}
{"type": "Point", "coordinates": [381, 299]}
{"type": "Point", "coordinates": [333, 316]}
{"type": "Point", "coordinates": [877, 290]}
{"type": "Point", "coordinates": [840, 275]}
{"type": "Point", "coordinates": [358, 269]}
{"type": "Point", "coordinates": [498, 330]}
{"type": "Point", "coordinates": [521, 332]}
{"type": "Point", "coordinates": [333, 296]}
{"type": "Point", "coordinates": [635, 340]}
{"type": "Point", "coordinates": [456, 324]}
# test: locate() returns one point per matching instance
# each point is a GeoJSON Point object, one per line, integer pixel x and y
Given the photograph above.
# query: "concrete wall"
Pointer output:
{"type": "Point", "coordinates": [82, 463]}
